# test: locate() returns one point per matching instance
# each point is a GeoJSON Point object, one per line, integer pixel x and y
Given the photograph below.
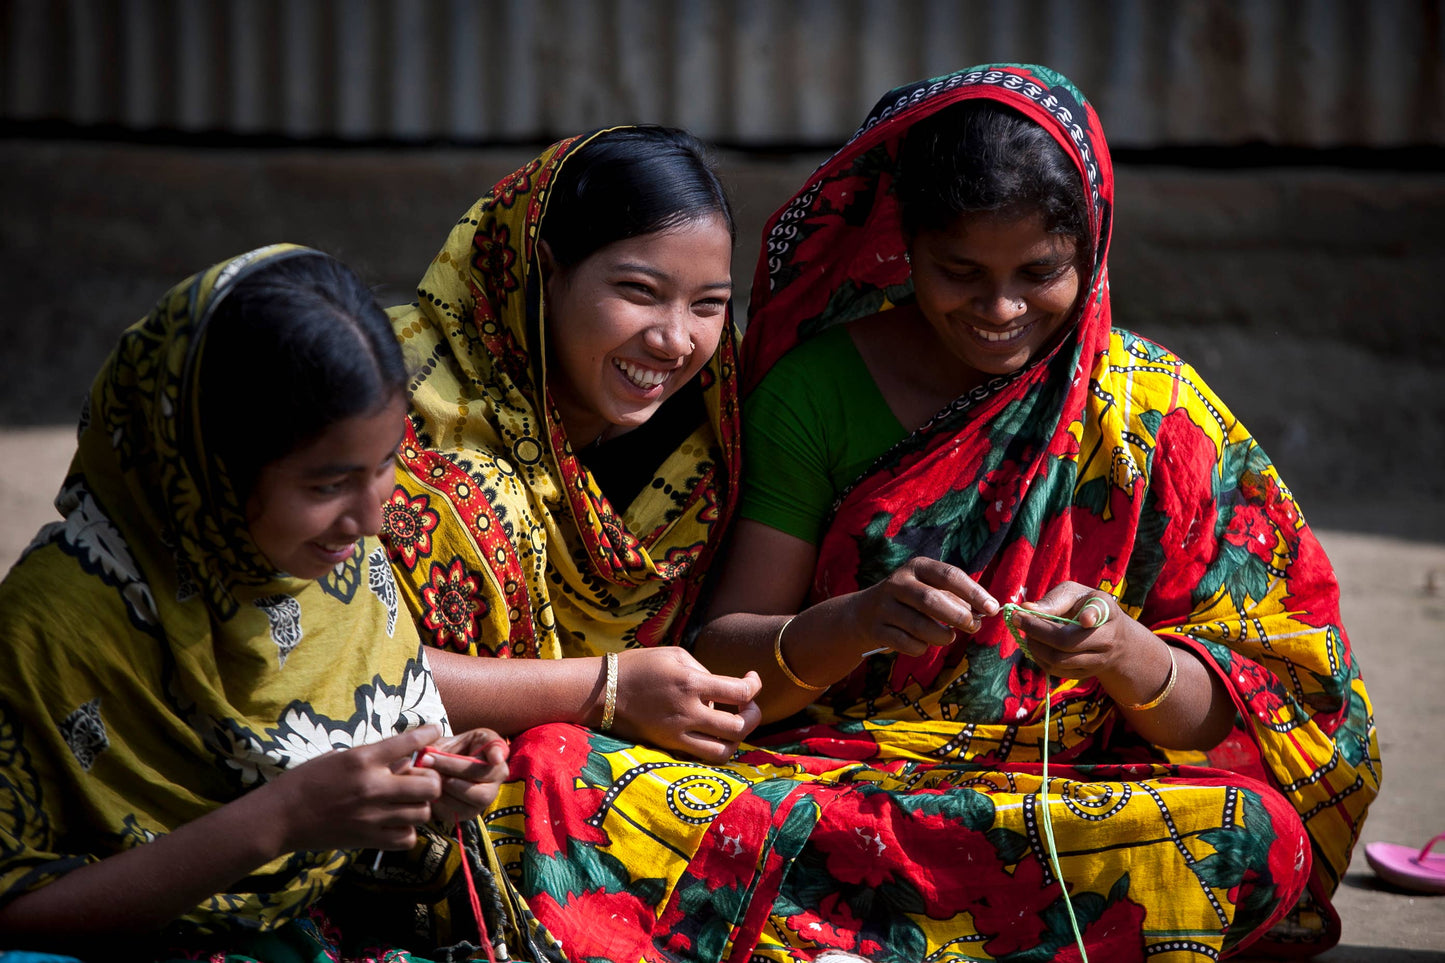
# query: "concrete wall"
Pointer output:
{"type": "Point", "coordinates": [1309, 298]}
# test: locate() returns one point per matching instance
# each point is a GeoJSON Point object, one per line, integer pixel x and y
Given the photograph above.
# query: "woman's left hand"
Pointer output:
{"type": "Point", "coordinates": [472, 771]}
{"type": "Point", "coordinates": [1094, 647]}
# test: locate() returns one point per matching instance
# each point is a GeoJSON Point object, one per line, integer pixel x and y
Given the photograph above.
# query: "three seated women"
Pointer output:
{"type": "Point", "coordinates": [828, 732]}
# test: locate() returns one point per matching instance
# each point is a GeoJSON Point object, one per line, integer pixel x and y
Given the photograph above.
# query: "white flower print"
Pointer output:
{"type": "Point", "coordinates": [302, 734]}
{"type": "Point", "coordinates": [84, 732]}
{"type": "Point", "coordinates": [383, 585]}
{"type": "Point", "coordinates": [90, 536]}
{"type": "Point", "coordinates": [284, 614]}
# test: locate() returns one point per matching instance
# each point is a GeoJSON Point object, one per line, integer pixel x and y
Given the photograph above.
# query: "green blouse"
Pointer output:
{"type": "Point", "coordinates": [814, 425]}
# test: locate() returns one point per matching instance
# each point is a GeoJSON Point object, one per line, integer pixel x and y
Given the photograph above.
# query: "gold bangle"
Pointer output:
{"type": "Point", "coordinates": [778, 654]}
{"type": "Point", "coordinates": [1168, 686]}
{"type": "Point", "coordinates": [609, 694]}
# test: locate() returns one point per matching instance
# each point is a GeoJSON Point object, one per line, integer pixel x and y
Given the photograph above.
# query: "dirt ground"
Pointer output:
{"type": "Point", "coordinates": [1393, 597]}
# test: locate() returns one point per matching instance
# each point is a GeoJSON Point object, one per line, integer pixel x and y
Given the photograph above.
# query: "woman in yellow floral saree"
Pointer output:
{"type": "Point", "coordinates": [571, 457]}
{"type": "Point", "coordinates": [213, 618]}
{"type": "Point", "coordinates": [903, 817]}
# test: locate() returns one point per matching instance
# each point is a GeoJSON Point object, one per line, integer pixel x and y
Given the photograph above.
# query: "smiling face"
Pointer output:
{"type": "Point", "coordinates": [633, 322]}
{"type": "Point", "coordinates": [995, 289]}
{"type": "Point", "coordinates": [309, 508]}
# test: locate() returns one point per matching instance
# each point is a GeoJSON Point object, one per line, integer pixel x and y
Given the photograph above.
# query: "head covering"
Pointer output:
{"type": "Point", "coordinates": [1106, 461]}
{"type": "Point", "coordinates": [155, 665]}
{"type": "Point", "coordinates": [501, 538]}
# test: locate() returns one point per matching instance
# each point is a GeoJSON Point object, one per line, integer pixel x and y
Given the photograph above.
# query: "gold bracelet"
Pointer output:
{"type": "Point", "coordinates": [778, 654]}
{"type": "Point", "coordinates": [609, 694]}
{"type": "Point", "coordinates": [1168, 686]}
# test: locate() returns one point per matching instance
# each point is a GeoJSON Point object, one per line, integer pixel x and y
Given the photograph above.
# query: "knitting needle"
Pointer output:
{"type": "Point", "coordinates": [381, 852]}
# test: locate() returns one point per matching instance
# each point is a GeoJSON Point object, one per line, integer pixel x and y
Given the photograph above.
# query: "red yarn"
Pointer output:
{"type": "Point", "coordinates": [476, 900]}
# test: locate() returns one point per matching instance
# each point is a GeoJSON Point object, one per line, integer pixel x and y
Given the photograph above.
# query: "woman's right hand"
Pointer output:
{"type": "Point", "coordinates": [918, 606]}
{"type": "Point", "coordinates": [668, 699]}
{"type": "Point", "coordinates": [369, 797]}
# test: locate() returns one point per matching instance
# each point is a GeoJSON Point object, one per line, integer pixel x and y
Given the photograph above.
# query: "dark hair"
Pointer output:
{"type": "Point", "coordinates": [978, 157]}
{"type": "Point", "coordinates": [629, 182]}
{"type": "Point", "coordinates": [293, 348]}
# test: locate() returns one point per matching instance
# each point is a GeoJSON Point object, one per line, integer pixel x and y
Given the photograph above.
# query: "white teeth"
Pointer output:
{"type": "Point", "coordinates": [1008, 335]}
{"type": "Point", "coordinates": [642, 377]}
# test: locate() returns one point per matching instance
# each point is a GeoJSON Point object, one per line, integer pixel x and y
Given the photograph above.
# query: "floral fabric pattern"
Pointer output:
{"type": "Point", "coordinates": [903, 821]}
{"type": "Point", "coordinates": [123, 619]}
{"type": "Point", "coordinates": [502, 541]}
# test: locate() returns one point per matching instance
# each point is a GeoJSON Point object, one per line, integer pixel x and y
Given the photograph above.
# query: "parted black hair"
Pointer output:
{"type": "Point", "coordinates": [629, 182]}
{"type": "Point", "coordinates": [294, 348]}
{"type": "Point", "coordinates": [980, 157]}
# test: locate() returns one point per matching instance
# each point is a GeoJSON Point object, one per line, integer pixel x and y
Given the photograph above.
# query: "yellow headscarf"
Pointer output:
{"type": "Point", "coordinates": [155, 667]}
{"type": "Point", "coordinates": [501, 539]}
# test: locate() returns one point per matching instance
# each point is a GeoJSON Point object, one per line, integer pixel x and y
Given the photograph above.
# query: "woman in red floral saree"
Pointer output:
{"type": "Point", "coordinates": [1211, 745]}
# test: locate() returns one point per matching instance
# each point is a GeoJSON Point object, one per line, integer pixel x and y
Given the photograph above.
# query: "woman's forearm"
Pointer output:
{"type": "Point", "coordinates": [510, 695]}
{"type": "Point", "coordinates": [142, 889]}
{"type": "Point", "coordinates": [1196, 714]}
{"type": "Point", "coordinates": [816, 648]}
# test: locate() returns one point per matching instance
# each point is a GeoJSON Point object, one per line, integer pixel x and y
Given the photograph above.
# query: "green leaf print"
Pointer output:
{"type": "Point", "coordinates": [878, 555]}
{"type": "Point", "coordinates": [1093, 495]}
{"type": "Point", "coordinates": [772, 791]}
{"type": "Point", "coordinates": [1147, 559]}
{"type": "Point", "coordinates": [981, 691]}
{"type": "Point", "coordinates": [1241, 854]}
{"type": "Point", "coordinates": [971, 810]}
{"type": "Point", "coordinates": [1010, 845]}
{"type": "Point", "coordinates": [1049, 496]}
{"type": "Point", "coordinates": [851, 301]}
{"type": "Point", "coordinates": [582, 868]}
{"type": "Point", "coordinates": [901, 935]}
{"type": "Point", "coordinates": [1138, 346]}
{"type": "Point", "coordinates": [1239, 573]}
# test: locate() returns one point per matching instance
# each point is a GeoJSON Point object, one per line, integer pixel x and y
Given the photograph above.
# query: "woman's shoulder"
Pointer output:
{"type": "Point", "coordinates": [1151, 368]}
{"type": "Point", "coordinates": [822, 355]}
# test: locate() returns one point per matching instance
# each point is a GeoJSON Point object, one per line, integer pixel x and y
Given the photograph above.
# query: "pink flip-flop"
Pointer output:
{"type": "Point", "coordinates": [1405, 867]}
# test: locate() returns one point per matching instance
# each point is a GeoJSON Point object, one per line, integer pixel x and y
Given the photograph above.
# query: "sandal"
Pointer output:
{"type": "Point", "coordinates": [1404, 867]}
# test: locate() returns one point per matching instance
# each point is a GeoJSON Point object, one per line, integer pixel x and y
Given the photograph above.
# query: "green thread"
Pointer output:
{"type": "Point", "coordinates": [1008, 611]}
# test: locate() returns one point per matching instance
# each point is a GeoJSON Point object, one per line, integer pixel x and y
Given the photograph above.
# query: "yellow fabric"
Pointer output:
{"type": "Point", "coordinates": [154, 666]}
{"type": "Point", "coordinates": [502, 541]}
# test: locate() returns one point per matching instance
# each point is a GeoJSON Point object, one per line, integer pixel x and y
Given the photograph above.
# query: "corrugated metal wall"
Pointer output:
{"type": "Point", "coordinates": [1308, 73]}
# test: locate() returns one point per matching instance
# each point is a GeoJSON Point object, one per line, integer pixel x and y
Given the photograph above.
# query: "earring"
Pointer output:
{"type": "Point", "coordinates": [907, 258]}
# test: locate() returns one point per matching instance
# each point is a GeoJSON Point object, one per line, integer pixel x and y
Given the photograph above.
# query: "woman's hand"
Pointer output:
{"type": "Point", "coordinates": [473, 769]}
{"type": "Point", "coordinates": [370, 797]}
{"type": "Point", "coordinates": [1097, 646]}
{"type": "Point", "coordinates": [667, 698]}
{"type": "Point", "coordinates": [1168, 693]}
{"type": "Point", "coordinates": [918, 606]}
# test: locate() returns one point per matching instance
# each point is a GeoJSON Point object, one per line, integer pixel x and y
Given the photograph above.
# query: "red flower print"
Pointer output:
{"type": "Point", "coordinates": [406, 525]}
{"type": "Point", "coordinates": [616, 536]}
{"type": "Point", "coordinates": [452, 605]}
{"type": "Point", "coordinates": [999, 492]}
{"type": "Point", "coordinates": [547, 760]}
{"type": "Point", "coordinates": [495, 258]}
{"type": "Point", "coordinates": [832, 924]}
{"type": "Point", "coordinates": [518, 182]}
{"type": "Point", "coordinates": [597, 925]}
{"type": "Point", "coordinates": [1249, 528]}
{"type": "Point", "coordinates": [1118, 934]}
{"type": "Point", "coordinates": [657, 627]}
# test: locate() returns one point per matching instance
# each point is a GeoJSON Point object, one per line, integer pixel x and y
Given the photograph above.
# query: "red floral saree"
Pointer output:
{"type": "Point", "coordinates": [904, 823]}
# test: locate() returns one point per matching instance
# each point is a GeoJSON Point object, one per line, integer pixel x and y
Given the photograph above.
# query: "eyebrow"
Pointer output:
{"type": "Point", "coordinates": [653, 272]}
{"type": "Point", "coordinates": [343, 468]}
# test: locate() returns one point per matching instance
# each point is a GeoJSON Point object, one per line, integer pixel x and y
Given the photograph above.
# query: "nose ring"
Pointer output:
{"type": "Point", "coordinates": [691, 345]}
